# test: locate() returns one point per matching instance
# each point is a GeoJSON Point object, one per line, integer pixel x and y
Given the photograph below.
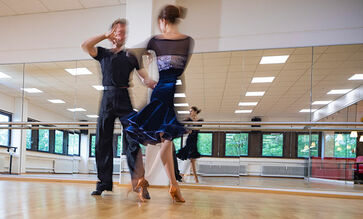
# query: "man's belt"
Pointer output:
{"type": "Point", "coordinates": [113, 88]}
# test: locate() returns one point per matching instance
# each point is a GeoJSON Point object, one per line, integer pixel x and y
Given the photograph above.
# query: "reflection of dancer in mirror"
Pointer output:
{"type": "Point", "coordinates": [190, 150]}
{"type": "Point", "coordinates": [116, 64]}
{"type": "Point", "coordinates": [157, 122]}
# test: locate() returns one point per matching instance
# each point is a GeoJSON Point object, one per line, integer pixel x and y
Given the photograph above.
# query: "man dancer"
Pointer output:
{"type": "Point", "coordinates": [116, 65]}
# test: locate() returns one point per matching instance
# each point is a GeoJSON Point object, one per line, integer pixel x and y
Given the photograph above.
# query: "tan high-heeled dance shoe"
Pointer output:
{"type": "Point", "coordinates": [175, 194]}
{"type": "Point", "coordinates": [141, 189]}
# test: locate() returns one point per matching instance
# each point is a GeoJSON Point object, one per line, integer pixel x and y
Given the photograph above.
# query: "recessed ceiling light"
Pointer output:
{"type": "Point", "coordinates": [98, 87]}
{"type": "Point", "coordinates": [321, 102]}
{"type": "Point", "coordinates": [247, 103]}
{"type": "Point", "coordinates": [262, 79]}
{"type": "Point", "coordinates": [179, 95]}
{"type": "Point", "coordinates": [273, 59]}
{"type": "Point", "coordinates": [243, 111]}
{"type": "Point", "coordinates": [339, 91]}
{"type": "Point", "coordinates": [183, 112]}
{"type": "Point", "coordinates": [181, 104]}
{"type": "Point", "coordinates": [32, 90]}
{"type": "Point", "coordinates": [77, 110]}
{"type": "Point", "coordinates": [78, 71]}
{"type": "Point", "coordinates": [56, 101]}
{"type": "Point", "coordinates": [255, 93]}
{"type": "Point", "coordinates": [307, 110]}
{"type": "Point", "coordinates": [179, 82]}
{"type": "Point", "coordinates": [92, 116]}
{"type": "Point", "coordinates": [356, 77]}
{"type": "Point", "coordinates": [3, 75]}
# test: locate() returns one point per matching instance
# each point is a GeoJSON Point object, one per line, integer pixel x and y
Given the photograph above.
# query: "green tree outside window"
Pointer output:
{"type": "Point", "coordinates": [272, 144]}
{"type": "Point", "coordinates": [236, 144]}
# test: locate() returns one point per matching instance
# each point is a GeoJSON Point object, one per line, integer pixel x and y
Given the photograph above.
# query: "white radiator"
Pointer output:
{"type": "Point", "coordinates": [63, 166]}
{"type": "Point", "coordinates": [285, 171]}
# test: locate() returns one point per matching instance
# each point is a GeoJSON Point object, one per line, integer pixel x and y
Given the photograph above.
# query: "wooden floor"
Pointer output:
{"type": "Point", "coordinates": [73, 200]}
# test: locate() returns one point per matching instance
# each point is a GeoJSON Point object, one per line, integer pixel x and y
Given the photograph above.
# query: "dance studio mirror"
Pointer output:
{"type": "Point", "coordinates": [267, 85]}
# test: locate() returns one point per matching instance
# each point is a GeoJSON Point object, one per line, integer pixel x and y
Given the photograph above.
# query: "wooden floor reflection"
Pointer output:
{"type": "Point", "coordinates": [66, 200]}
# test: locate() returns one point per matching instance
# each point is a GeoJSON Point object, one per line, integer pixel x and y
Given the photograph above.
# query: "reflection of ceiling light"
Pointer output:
{"type": "Point", "coordinates": [262, 79]}
{"type": "Point", "coordinates": [339, 137]}
{"type": "Point", "coordinates": [354, 134]}
{"type": "Point", "coordinates": [339, 91]}
{"type": "Point", "coordinates": [98, 87]}
{"type": "Point", "coordinates": [321, 102]}
{"type": "Point", "coordinates": [247, 103]}
{"type": "Point", "coordinates": [307, 110]}
{"type": "Point", "coordinates": [339, 149]}
{"type": "Point", "coordinates": [181, 104]}
{"type": "Point", "coordinates": [3, 75]}
{"type": "Point", "coordinates": [178, 82]}
{"type": "Point", "coordinates": [56, 101]}
{"type": "Point", "coordinates": [78, 71]}
{"type": "Point", "coordinates": [255, 93]}
{"type": "Point", "coordinates": [31, 90]}
{"type": "Point", "coordinates": [77, 110]}
{"type": "Point", "coordinates": [243, 111]}
{"type": "Point", "coordinates": [92, 116]}
{"type": "Point", "coordinates": [356, 77]}
{"type": "Point", "coordinates": [273, 59]}
{"type": "Point", "coordinates": [183, 112]}
{"type": "Point", "coordinates": [136, 110]}
{"type": "Point", "coordinates": [179, 95]}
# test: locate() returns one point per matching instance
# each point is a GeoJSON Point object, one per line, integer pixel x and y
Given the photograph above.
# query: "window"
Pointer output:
{"type": "Point", "coordinates": [29, 139]}
{"type": "Point", "coordinates": [58, 143]}
{"type": "Point", "coordinates": [303, 145]}
{"type": "Point", "coordinates": [272, 144]}
{"type": "Point", "coordinates": [93, 145]}
{"type": "Point", "coordinates": [119, 146]}
{"type": "Point", "coordinates": [236, 144]}
{"type": "Point", "coordinates": [177, 143]}
{"type": "Point", "coordinates": [73, 144]}
{"type": "Point", "coordinates": [43, 140]}
{"type": "Point", "coordinates": [205, 143]}
{"type": "Point", "coordinates": [5, 133]}
{"type": "Point", "coordinates": [344, 146]}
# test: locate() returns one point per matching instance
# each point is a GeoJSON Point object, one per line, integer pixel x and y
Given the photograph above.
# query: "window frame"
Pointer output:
{"type": "Point", "coordinates": [225, 144]}
{"type": "Point", "coordinates": [307, 133]}
{"type": "Point", "coordinates": [212, 146]}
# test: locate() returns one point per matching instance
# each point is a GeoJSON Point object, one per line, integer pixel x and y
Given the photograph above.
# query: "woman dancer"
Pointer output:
{"type": "Point", "coordinates": [157, 122]}
{"type": "Point", "coordinates": [190, 150]}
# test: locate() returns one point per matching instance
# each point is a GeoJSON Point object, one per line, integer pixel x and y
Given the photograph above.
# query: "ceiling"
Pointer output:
{"type": "Point", "coordinates": [215, 82]}
{"type": "Point", "coordinates": [20, 7]}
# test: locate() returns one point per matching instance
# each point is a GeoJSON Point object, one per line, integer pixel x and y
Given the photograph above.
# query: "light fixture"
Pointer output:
{"type": "Point", "coordinates": [4, 76]}
{"type": "Point", "coordinates": [353, 134]}
{"type": "Point", "coordinates": [183, 112]}
{"type": "Point", "coordinates": [92, 116]}
{"type": "Point", "coordinates": [181, 104]}
{"type": "Point", "coordinates": [339, 137]}
{"type": "Point", "coordinates": [307, 110]}
{"type": "Point", "coordinates": [361, 138]}
{"type": "Point", "coordinates": [356, 77]}
{"type": "Point", "coordinates": [321, 102]}
{"type": "Point", "coordinates": [136, 110]}
{"type": "Point", "coordinates": [56, 101]}
{"type": "Point", "coordinates": [247, 103]}
{"type": "Point", "coordinates": [339, 91]}
{"type": "Point", "coordinates": [255, 94]}
{"type": "Point", "coordinates": [76, 110]}
{"type": "Point", "coordinates": [243, 111]}
{"type": "Point", "coordinates": [78, 71]}
{"type": "Point", "coordinates": [179, 95]}
{"type": "Point", "coordinates": [98, 87]}
{"type": "Point", "coordinates": [179, 82]}
{"type": "Point", "coordinates": [274, 59]}
{"type": "Point", "coordinates": [262, 79]}
{"type": "Point", "coordinates": [313, 144]}
{"type": "Point", "coordinates": [32, 90]}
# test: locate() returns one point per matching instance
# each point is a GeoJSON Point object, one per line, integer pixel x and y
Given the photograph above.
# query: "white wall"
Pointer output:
{"type": "Point", "coordinates": [7, 102]}
{"type": "Point", "coordinates": [221, 25]}
{"type": "Point", "coordinates": [53, 36]}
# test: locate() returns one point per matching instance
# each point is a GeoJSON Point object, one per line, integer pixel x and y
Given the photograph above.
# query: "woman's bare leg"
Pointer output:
{"type": "Point", "coordinates": [194, 170]}
{"type": "Point", "coordinates": [166, 155]}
